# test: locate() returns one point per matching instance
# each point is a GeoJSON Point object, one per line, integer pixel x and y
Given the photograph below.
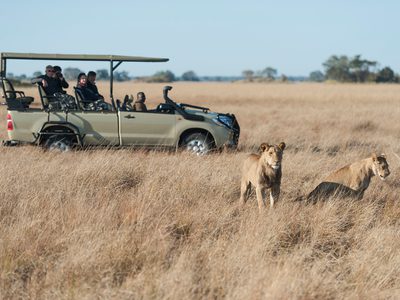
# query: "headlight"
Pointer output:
{"type": "Point", "coordinates": [224, 121]}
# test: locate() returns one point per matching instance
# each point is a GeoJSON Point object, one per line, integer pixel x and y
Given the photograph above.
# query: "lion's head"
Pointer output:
{"type": "Point", "coordinates": [272, 155]}
{"type": "Point", "coordinates": [380, 166]}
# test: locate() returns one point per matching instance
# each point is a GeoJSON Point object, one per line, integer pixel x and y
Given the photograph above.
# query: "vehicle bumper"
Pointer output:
{"type": "Point", "coordinates": [10, 143]}
{"type": "Point", "coordinates": [227, 139]}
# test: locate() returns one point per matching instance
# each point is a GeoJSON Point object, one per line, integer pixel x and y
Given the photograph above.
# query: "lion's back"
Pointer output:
{"type": "Point", "coordinates": [250, 165]}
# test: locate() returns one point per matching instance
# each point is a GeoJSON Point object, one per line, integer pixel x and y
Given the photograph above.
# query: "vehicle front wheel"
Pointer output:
{"type": "Point", "coordinates": [58, 143]}
{"type": "Point", "coordinates": [197, 143]}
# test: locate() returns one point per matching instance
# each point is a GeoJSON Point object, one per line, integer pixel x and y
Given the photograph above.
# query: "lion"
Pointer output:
{"type": "Point", "coordinates": [352, 180]}
{"type": "Point", "coordinates": [264, 172]}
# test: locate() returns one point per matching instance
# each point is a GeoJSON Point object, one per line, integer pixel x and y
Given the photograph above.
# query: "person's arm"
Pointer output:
{"type": "Point", "coordinates": [36, 80]}
{"type": "Point", "coordinates": [40, 80]}
{"type": "Point", "coordinates": [64, 83]}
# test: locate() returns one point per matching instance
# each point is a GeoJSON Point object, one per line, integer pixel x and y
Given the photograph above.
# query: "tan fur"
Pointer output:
{"type": "Point", "coordinates": [264, 172]}
{"type": "Point", "coordinates": [352, 180]}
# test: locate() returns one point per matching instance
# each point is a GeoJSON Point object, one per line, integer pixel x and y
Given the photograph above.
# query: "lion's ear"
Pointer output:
{"type": "Point", "coordinates": [282, 145]}
{"type": "Point", "coordinates": [264, 146]}
{"type": "Point", "coordinates": [374, 157]}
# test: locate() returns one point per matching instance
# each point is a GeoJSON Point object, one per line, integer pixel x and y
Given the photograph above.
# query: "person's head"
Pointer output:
{"type": "Point", "coordinates": [81, 79]}
{"type": "Point", "coordinates": [141, 97]}
{"type": "Point", "coordinates": [50, 71]}
{"type": "Point", "coordinates": [91, 77]}
{"type": "Point", "coordinates": [57, 71]}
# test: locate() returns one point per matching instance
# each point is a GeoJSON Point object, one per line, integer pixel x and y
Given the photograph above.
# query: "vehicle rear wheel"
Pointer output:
{"type": "Point", "coordinates": [58, 143]}
{"type": "Point", "coordinates": [197, 143]}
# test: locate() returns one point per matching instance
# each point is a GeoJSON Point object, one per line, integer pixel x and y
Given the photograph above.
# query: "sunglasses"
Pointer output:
{"type": "Point", "coordinates": [51, 71]}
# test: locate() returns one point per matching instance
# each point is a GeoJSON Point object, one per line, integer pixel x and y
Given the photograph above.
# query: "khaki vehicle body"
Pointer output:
{"type": "Point", "coordinates": [170, 125]}
{"type": "Point", "coordinates": [120, 128]}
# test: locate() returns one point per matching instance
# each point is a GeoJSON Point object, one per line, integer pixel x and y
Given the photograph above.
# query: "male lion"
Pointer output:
{"type": "Point", "coordinates": [352, 180]}
{"type": "Point", "coordinates": [264, 172]}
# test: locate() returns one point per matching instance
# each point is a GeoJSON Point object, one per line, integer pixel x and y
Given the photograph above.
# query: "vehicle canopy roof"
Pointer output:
{"type": "Point", "coordinates": [82, 57]}
{"type": "Point", "coordinates": [117, 59]}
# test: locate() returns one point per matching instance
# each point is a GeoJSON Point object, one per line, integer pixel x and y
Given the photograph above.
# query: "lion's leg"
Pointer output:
{"type": "Point", "coordinates": [260, 198]}
{"type": "Point", "coordinates": [274, 195]}
{"type": "Point", "coordinates": [245, 187]}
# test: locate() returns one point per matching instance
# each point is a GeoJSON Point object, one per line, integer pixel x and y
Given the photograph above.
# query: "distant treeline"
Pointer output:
{"type": "Point", "coordinates": [71, 74]}
{"type": "Point", "coordinates": [335, 68]}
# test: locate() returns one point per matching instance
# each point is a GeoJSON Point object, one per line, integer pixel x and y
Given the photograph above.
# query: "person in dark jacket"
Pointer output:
{"type": "Point", "coordinates": [139, 103]}
{"type": "Point", "coordinates": [49, 82]}
{"type": "Point", "coordinates": [86, 93]}
{"type": "Point", "coordinates": [60, 77]}
{"type": "Point", "coordinates": [91, 83]}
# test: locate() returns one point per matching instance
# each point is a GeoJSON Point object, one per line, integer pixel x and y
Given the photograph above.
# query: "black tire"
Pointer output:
{"type": "Point", "coordinates": [197, 143]}
{"type": "Point", "coordinates": [59, 143]}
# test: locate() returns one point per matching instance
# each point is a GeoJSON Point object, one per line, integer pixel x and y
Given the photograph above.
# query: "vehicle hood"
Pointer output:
{"type": "Point", "coordinates": [207, 115]}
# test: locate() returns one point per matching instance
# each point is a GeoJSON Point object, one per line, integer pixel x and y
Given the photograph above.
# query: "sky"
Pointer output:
{"type": "Point", "coordinates": [210, 37]}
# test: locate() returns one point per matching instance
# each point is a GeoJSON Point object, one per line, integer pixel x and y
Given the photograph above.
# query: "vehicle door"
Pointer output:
{"type": "Point", "coordinates": [100, 128]}
{"type": "Point", "coordinates": [151, 128]}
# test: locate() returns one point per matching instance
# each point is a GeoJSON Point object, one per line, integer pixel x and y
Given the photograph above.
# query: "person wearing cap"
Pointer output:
{"type": "Point", "coordinates": [91, 84]}
{"type": "Point", "coordinates": [139, 103]}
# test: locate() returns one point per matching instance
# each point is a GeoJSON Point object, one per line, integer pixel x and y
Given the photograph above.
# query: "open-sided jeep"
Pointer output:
{"type": "Point", "coordinates": [69, 124]}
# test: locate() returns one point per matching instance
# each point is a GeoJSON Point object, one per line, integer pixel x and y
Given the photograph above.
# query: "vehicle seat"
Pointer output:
{"type": "Point", "coordinates": [45, 99]}
{"type": "Point", "coordinates": [14, 99]}
{"type": "Point", "coordinates": [82, 103]}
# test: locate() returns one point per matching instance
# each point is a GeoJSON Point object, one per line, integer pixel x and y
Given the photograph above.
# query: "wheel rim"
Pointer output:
{"type": "Point", "coordinates": [199, 147]}
{"type": "Point", "coordinates": [59, 146]}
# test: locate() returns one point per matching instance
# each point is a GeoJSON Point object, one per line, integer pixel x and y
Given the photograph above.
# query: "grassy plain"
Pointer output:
{"type": "Point", "coordinates": [143, 225]}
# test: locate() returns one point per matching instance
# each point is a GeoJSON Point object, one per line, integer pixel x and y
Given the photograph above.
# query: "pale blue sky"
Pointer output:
{"type": "Point", "coordinates": [210, 37]}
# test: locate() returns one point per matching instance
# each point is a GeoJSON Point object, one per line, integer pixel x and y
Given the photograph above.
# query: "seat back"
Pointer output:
{"type": "Point", "coordinates": [16, 100]}
{"type": "Point", "coordinates": [8, 89]}
{"type": "Point", "coordinates": [79, 99]}
{"type": "Point", "coordinates": [43, 97]}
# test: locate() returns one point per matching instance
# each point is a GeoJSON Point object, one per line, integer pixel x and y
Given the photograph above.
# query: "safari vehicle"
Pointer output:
{"type": "Point", "coordinates": [62, 127]}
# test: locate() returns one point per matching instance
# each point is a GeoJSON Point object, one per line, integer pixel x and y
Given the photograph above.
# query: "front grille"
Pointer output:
{"type": "Point", "coordinates": [236, 129]}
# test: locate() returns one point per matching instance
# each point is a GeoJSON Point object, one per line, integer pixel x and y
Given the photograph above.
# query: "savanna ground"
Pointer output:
{"type": "Point", "coordinates": [143, 225]}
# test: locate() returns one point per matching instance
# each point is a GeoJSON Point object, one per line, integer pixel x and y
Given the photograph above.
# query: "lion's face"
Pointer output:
{"type": "Point", "coordinates": [272, 155]}
{"type": "Point", "coordinates": [380, 166]}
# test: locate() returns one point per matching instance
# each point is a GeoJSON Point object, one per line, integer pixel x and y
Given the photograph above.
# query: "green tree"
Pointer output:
{"type": "Point", "coordinates": [337, 68]}
{"type": "Point", "coordinates": [71, 73]}
{"type": "Point", "coordinates": [386, 75]}
{"type": "Point", "coordinates": [269, 73]}
{"type": "Point", "coordinates": [102, 74]}
{"type": "Point", "coordinates": [190, 76]}
{"type": "Point", "coordinates": [248, 75]}
{"type": "Point", "coordinates": [36, 74]}
{"type": "Point", "coordinates": [360, 69]}
{"type": "Point", "coordinates": [284, 78]}
{"type": "Point", "coordinates": [121, 76]}
{"type": "Point", "coordinates": [316, 76]}
{"type": "Point", "coordinates": [162, 76]}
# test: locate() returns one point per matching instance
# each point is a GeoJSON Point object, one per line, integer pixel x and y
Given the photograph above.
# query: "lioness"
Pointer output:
{"type": "Point", "coordinates": [264, 172]}
{"type": "Point", "coordinates": [352, 180]}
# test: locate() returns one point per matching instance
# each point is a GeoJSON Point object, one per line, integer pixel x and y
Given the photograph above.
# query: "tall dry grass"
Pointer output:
{"type": "Point", "coordinates": [138, 225]}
